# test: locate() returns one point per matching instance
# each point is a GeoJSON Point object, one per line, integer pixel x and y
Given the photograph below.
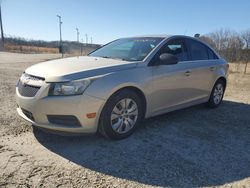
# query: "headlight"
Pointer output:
{"type": "Point", "coordinates": [76, 87]}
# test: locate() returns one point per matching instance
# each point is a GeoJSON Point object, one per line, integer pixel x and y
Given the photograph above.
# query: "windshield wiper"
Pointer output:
{"type": "Point", "coordinates": [105, 57]}
{"type": "Point", "coordinates": [108, 57]}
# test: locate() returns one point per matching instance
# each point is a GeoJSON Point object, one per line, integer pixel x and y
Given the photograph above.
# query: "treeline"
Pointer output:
{"type": "Point", "coordinates": [26, 42]}
{"type": "Point", "coordinates": [68, 46]}
{"type": "Point", "coordinates": [231, 45]}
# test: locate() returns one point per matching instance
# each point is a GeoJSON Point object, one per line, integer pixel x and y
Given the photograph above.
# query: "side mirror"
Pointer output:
{"type": "Point", "coordinates": [167, 59]}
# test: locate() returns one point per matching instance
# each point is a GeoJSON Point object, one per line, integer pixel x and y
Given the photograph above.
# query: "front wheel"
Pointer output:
{"type": "Point", "coordinates": [217, 94]}
{"type": "Point", "coordinates": [121, 115]}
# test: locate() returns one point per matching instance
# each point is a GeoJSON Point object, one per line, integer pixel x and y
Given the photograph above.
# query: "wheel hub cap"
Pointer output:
{"type": "Point", "coordinates": [218, 93]}
{"type": "Point", "coordinates": [124, 115]}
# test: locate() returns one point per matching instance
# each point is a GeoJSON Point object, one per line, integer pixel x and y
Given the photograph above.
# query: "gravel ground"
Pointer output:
{"type": "Point", "coordinates": [194, 147]}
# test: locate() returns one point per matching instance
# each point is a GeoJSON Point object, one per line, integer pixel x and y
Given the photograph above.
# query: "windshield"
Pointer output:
{"type": "Point", "coordinates": [128, 49]}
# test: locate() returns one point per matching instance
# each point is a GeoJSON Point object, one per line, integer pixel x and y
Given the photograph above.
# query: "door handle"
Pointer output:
{"type": "Point", "coordinates": [187, 73]}
{"type": "Point", "coordinates": [211, 68]}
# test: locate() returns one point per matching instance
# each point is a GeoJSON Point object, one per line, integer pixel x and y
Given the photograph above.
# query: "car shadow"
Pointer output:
{"type": "Point", "coordinates": [192, 147]}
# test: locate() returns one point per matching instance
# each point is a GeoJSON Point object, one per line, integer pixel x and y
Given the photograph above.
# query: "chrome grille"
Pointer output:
{"type": "Point", "coordinates": [27, 90]}
{"type": "Point", "coordinates": [29, 85]}
{"type": "Point", "coordinates": [35, 78]}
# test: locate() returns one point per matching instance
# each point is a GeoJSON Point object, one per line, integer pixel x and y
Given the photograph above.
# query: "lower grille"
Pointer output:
{"type": "Point", "coordinates": [27, 90]}
{"type": "Point", "coordinates": [66, 120]}
{"type": "Point", "coordinates": [28, 114]}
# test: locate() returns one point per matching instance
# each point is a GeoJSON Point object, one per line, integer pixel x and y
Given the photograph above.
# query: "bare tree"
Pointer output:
{"type": "Point", "coordinates": [245, 35]}
{"type": "Point", "coordinates": [220, 38]}
{"type": "Point", "coordinates": [227, 42]}
{"type": "Point", "coordinates": [208, 40]}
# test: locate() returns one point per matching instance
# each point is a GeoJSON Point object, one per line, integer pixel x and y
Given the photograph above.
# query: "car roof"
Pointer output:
{"type": "Point", "coordinates": [153, 36]}
{"type": "Point", "coordinates": [165, 36]}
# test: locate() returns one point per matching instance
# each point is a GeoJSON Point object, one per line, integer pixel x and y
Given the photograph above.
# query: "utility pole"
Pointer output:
{"type": "Point", "coordinates": [77, 35]}
{"type": "Point", "coordinates": [81, 46]}
{"type": "Point", "coordinates": [91, 39]}
{"type": "Point", "coordinates": [60, 28]}
{"type": "Point", "coordinates": [86, 35]}
{"type": "Point", "coordinates": [1, 26]}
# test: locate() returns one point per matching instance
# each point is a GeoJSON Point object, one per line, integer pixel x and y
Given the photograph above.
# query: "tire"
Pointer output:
{"type": "Point", "coordinates": [121, 115]}
{"type": "Point", "coordinates": [217, 94]}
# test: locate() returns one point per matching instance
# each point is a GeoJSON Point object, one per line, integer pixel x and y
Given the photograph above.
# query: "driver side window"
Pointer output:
{"type": "Point", "coordinates": [177, 48]}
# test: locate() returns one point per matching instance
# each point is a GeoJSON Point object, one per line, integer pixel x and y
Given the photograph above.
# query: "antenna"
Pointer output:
{"type": "Point", "coordinates": [197, 35]}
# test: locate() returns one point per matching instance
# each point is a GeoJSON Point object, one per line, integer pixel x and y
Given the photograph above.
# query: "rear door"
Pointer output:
{"type": "Point", "coordinates": [203, 63]}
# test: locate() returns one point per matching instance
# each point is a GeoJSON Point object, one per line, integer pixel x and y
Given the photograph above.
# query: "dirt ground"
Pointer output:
{"type": "Point", "coordinates": [194, 147]}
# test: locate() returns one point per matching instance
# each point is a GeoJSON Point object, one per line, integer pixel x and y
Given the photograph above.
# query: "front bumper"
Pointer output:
{"type": "Point", "coordinates": [42, 105]}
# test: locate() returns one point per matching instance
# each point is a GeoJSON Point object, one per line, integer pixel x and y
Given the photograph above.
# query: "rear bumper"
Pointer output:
{"type": "Point", "coordinates": [44, 106]}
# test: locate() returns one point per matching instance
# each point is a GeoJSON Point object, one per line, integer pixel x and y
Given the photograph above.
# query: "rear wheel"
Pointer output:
{"type": "Point", "coordinates": [217, 94]}
{"type": "Point", "coordinates": [121, 115]}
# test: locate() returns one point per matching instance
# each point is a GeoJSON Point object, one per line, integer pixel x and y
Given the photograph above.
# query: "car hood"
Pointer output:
{"type": "Point", "coordinates": [74, 68]}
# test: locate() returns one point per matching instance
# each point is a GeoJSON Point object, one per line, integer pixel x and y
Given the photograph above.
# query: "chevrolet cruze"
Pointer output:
{"type": "Point", "coordinates": [118, 85]}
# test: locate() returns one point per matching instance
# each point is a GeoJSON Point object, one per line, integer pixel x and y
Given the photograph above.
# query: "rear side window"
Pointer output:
{"type": "Point", "coordinates": [176, 47]}
{"type": "Point", "coordinates": [211, 54]}
{"type": "Point", "coordinates": [198, 51]}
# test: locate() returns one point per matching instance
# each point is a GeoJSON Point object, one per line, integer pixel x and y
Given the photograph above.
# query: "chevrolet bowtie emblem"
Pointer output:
{"type": "Point", "coordinates": [25, 79]}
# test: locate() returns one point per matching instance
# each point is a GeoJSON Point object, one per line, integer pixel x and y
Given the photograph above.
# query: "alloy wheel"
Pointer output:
{"type": "Point", "coordinates": [124, 115]}
{"type": "Point", "coordinates": [218, 93]}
